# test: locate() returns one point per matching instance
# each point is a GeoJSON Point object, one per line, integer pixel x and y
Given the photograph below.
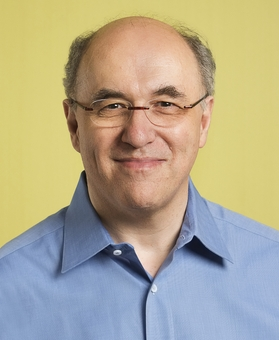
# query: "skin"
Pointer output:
{"type": "Point", "coordinates": [138, 174]}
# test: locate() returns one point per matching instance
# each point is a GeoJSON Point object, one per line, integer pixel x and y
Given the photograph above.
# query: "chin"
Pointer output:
{"type": "Point", "coordinates": [143, 203]}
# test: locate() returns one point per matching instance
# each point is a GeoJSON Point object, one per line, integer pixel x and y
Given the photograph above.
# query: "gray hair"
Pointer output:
{"type": "Point", "coordinates": [204, 57]}
{"type": "Point", "coordinates": [200, 49]}
{"type": "Point", "coordinates": [77, 50]}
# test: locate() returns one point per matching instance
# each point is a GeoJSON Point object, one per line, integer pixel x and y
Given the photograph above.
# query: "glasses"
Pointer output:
{"type": "Point", "coordinates": [113, 112]}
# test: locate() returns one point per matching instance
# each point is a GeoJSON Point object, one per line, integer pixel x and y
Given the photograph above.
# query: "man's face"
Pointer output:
{"type": "Point", "coordinates": [139, 165]}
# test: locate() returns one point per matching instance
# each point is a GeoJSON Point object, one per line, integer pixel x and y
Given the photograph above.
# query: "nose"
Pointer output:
{"type": "Point", "coordinates": [138, 131]}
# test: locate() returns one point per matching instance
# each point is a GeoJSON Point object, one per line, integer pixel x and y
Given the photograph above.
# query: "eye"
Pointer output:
{"type": "Point", "coordinates": [164, 104]}
{"type": "Point", "coordinates": [166, 108]}
{"type": "Point", "coordinates": [112, 106]}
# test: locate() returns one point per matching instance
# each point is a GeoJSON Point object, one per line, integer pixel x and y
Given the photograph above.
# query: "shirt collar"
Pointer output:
{"type": "Point", "coordinates": [85, 236]}
{"type": "Point", "coordinates": [199, 221]}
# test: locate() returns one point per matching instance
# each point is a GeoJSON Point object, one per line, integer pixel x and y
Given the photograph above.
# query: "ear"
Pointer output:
{"type": "Point", "coordinates": [205, 120]}
{"type": "Point", "coordinates": [72, 124]}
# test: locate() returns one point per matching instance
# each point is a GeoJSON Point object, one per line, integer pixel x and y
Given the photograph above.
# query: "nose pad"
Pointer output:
{"type": "Point", "coordinates": [133, 108]}
{"type": "Point", "coordinates": [142, 108]}
{"type": "Point", "coordinates": [137, 132]}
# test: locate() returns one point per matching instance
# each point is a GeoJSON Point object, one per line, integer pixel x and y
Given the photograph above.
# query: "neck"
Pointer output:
{"type": "Point", "coordinates": [153, 234]}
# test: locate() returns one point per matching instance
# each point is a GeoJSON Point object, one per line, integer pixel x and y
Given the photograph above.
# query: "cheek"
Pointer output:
{"type": "Point", "coordinates": [184, 145]}
{"type": "Point", "coordinates": [96, 145]}
{"type": "Point", "coordinates": [185, 138]}
{"type": "Point", "coordinates": [87, 143]}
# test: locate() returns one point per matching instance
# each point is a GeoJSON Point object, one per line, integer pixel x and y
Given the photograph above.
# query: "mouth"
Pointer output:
{"type": "Point", "coordinates": [144, 163]}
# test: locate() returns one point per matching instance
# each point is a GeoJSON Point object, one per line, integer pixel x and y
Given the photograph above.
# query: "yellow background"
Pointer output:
{"type": "Point", "coordinates": [239, 167]}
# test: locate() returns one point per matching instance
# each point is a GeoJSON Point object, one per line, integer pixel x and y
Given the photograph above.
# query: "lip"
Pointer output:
{"type": "Point", "coordinates": [140, 163]}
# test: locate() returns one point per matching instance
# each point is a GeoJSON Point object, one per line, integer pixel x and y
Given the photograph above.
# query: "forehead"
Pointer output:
{"type": "Point", "coordinates": [138, 54]}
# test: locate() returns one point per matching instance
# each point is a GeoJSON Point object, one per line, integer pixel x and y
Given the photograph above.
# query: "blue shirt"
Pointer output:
{"type": "Point", "coordinates": [65, 279]}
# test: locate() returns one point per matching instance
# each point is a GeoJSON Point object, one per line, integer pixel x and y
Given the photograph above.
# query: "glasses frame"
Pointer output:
{"type": "Point", "coordinates": [132, 108]}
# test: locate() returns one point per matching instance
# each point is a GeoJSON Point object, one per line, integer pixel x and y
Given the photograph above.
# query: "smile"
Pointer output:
{"type": "Point", "coordinates": [140, 163]}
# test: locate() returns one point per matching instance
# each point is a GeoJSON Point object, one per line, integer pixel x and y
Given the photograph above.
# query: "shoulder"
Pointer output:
{"type": "Point", "coordinates": [37, 234]}
{"type": "Point", "coordinates": [232, 222]}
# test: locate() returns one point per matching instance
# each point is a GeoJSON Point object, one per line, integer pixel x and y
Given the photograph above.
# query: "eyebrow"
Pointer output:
{"type": "Point", "coordinates": [107, 93]}
{"type": "Point", "coordinates": [170, 91]}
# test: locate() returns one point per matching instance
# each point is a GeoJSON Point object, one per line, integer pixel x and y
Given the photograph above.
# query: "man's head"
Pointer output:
{"type": "Point", "coordinates": [138, 164]}
{"type": "Point", "coordinates": [200, 49]}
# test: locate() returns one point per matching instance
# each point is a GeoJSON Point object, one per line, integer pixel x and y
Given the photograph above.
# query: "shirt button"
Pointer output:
{"type": "Point", "coordinates": [117, 252]}
{"type": "Point", "coordinates": [154, 289]}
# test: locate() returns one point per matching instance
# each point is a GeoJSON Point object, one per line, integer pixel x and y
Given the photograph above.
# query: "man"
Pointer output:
{"type": "Point", "coordinates": [139, 254]}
